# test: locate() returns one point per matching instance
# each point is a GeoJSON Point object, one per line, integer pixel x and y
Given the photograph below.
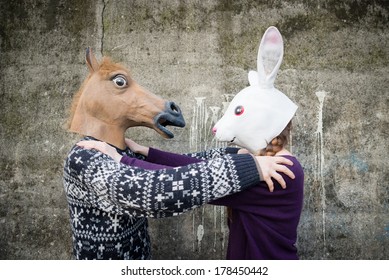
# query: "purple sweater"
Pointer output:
{"type": "Point", "coordinates": [264, 224]}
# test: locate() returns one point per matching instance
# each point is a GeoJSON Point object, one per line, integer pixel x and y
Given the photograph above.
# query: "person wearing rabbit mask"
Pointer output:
{"type": "Point", "coordinates": [262, 224]}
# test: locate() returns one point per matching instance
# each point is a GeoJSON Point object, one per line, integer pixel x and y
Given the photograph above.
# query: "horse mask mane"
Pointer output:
{"type": "Point", "coordinates": [110, 101]}
{"type": "Point", "coordinates": [259, 112]}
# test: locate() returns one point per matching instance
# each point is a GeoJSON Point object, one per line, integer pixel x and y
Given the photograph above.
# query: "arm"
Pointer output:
{"type": "Point", "coordinates": [114, 187]}
{"type": "Point", "coordinates": [267, 167]}
{"type": "Point", "coordinates": [155, 159]}
{"type": "Point", "coordinates": [170, 159]}
{"type": "Point", "coordinates": [151, 155]}
{"type": "Point", "coordinates": [283, 202]}
{"type": "Point", "coordinates": [204, 155]}
{"type": "Point", "coordinates": [142, 164]}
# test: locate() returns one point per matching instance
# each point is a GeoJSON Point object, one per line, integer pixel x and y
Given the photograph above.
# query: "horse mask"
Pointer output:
{"type": "Point", "coordinates": [259, 112]}
{"type": "Point", "coordinates": [110, 101]}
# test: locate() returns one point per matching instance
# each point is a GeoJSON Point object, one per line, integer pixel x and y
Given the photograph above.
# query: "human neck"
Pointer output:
{"type": "Point", "coordinates": [283, 152]}
{"type": "Point", "coordinates": [90, 126]}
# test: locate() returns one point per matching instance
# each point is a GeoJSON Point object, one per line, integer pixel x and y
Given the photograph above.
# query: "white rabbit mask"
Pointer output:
{"type": "Point", "coordinates": [259, 112]}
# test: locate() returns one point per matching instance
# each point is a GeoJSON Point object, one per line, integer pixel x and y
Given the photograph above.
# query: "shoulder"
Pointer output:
{"type": "Point", "coordinates": [294, 159]}
{"type": "Point", "coordinates": [79, 159]}
{"type": "Point", "coordinates": [79, 155]}
{"type": "Point", "coordinates": [296, 168]}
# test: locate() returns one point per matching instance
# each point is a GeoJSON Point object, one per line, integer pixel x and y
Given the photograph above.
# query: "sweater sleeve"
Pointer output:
{"type": "Point", "coordinates": [158, 159]}
{"type": "Point", "coordinates": [97, 179]}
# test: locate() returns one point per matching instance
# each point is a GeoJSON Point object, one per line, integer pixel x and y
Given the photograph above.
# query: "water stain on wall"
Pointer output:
{"type": "Point", "coordinates": [201, 138]}
{"type": "Point", "coordinates": [319, 174]}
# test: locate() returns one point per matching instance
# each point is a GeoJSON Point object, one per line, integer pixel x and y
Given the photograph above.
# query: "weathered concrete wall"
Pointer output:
{"type": "Point", "coordinates": [198, 53]}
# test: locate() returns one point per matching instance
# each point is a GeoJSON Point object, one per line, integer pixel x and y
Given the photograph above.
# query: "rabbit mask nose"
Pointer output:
{"type": "Point", "coordinates": [214, 129]}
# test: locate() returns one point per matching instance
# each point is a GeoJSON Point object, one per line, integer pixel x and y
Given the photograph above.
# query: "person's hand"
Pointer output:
{"type": "Point", "coordinates": [102, 147]}
{"type": "Point", "coordinates": [137, 148]}
{"type": "Point", "coordinates": [243, 151]}
{"type": "Point", "coordinates": [270, 168]}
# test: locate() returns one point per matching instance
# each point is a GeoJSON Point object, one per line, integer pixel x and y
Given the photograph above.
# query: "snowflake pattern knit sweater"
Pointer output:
{"type": "Point", "coordinates": [110, 202]}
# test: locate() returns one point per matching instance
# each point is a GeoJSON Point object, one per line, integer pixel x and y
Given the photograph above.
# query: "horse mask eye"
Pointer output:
{"type": "Point", "coordinates": [120, 81]}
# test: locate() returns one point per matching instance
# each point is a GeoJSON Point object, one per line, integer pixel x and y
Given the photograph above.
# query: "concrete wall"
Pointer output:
{"type": "Point", "coordinates": [198, 53]}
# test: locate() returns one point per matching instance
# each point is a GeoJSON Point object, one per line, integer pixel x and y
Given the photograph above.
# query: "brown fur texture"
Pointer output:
{"type": "Point", "coordinates": [75, 101]}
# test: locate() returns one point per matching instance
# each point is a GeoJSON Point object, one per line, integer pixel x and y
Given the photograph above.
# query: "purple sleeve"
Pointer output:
{"type": "Point", "coordinates": [170, 159]}
{"type": "Point", "coordinates": [157, 159]}
{"type": "Point", "coordinates": [141, 163]}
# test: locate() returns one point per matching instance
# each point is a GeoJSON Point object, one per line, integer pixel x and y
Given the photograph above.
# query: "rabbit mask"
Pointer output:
{"type": "Point", "coordinates": [259, 112]}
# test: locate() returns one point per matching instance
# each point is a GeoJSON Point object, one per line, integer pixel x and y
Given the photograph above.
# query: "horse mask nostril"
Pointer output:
{"type": "Point", "coordinates": [171, 116]}
{"type": "Point", "coordinates": [173, 108]}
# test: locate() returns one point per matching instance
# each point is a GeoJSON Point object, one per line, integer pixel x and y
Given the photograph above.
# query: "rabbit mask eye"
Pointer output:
{"type": "Point", "coordinates": [239, 110]}
{"type": "Point", "coordinates": [120, 81]}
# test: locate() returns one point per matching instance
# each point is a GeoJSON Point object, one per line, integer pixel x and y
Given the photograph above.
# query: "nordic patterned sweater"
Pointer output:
{"type": "Point", "coordinates": [110, 202]}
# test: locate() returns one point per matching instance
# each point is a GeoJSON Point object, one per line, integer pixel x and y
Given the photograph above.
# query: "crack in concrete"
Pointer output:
{"type": "Point", "coordinates": [102, 28]}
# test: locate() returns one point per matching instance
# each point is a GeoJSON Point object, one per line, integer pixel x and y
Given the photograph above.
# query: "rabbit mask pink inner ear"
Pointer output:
{"type": "Point", "coordinates": [270, 54]}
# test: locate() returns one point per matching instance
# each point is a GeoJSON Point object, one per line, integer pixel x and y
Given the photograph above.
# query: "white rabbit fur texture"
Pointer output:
{"type": "Point", "coordinates": [259, 112]}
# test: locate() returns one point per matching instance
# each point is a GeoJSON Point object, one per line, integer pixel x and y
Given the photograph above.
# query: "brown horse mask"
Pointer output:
{"type": "Point", "coordinates": [110, 101]}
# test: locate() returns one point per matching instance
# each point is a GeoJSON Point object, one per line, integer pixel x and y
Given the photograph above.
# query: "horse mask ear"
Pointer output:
{"type": "Point", "coordinates": [91, 60]}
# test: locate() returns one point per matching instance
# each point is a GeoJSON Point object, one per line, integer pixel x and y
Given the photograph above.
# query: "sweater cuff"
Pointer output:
{"type": "Point", "coordinates": [232, 150]}
{"type": "Point", "coordinates": [247, 170]}
{"type": "Point", "coordinates": [258, 168]}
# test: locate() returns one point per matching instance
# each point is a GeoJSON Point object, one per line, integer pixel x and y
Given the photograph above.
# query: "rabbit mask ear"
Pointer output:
{"type": "Point", "coordinates": [260, 112]}
{"type": "Point", "coordinates": [253, 78]}
{"type": "Point", "coordinates": [270, 54]}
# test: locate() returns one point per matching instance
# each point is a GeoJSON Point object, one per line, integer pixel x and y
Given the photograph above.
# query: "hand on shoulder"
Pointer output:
{"type": "Point", "coordinates": [102, 147]}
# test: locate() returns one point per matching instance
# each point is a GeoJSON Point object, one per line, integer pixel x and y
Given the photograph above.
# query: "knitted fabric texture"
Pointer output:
{"type": "Point", "coordinates": [109, 202]}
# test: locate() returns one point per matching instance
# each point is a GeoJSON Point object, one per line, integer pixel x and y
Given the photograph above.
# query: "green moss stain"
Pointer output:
{"type": "Point", "coordinates": [312, 35]}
